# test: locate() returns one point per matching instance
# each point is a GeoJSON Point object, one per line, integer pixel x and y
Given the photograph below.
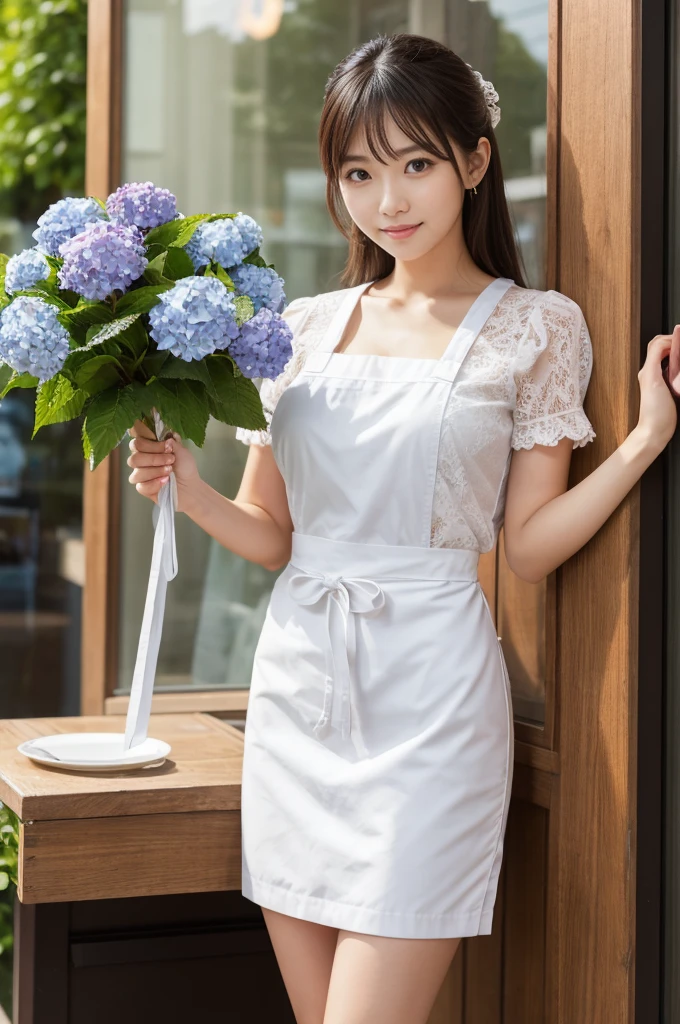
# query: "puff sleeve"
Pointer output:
{"type": "Point", "coordinates": [552, 372]}
{"type": "Point", "coordinates": [271, 390]}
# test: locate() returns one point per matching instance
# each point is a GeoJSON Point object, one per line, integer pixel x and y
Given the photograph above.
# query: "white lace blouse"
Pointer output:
{"type": "Point", "coordinates": [522, 383]}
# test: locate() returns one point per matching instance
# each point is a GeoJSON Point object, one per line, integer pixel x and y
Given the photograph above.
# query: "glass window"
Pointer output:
{"type": "Point", "coordinates": [221, 105]}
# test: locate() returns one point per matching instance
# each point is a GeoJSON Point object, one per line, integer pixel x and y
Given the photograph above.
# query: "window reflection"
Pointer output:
{"type": "Point", "coordinates": [232, 92]}
{"type": "Point", "coordinates": [40, 563]}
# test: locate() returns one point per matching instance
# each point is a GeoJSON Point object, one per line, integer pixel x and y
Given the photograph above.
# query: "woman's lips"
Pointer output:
{"type": "Point", "coordinates": [401, 232]}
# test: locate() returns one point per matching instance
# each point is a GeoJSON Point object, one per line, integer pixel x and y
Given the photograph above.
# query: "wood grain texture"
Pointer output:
{"type": "Point", "coordinates": [203, 772]}
{"type": "Point", "coordinates": [140, 855]}
{"type": "Point", "coordinates": [599, 266]}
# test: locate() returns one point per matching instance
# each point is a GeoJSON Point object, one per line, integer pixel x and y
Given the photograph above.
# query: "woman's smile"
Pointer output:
{"type": "Point", "coordinates": [401, 230]}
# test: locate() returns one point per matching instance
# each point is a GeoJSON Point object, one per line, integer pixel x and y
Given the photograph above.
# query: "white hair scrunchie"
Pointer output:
{"type": "Point", "coordinates": [490, 96]}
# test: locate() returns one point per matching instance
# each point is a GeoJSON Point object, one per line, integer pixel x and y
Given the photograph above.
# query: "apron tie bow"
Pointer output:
{"type": "Point", "coordinates": [345, 597]}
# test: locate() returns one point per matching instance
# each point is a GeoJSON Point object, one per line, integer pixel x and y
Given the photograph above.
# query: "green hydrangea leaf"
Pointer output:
{"type": "Point", "coordinates": [109, 415]}
{"type": "Point", "coordinates": [178, 264]}
{"type": "Point", "coordinates": [183, 406]}
{"type": "Point", "coordinates": [141, 300]}
{"type": "Point", "coordinates": [96, 334]}
{"type": "Point", "coordinates": [19, 380]}
{"type": "Point", "coordinates": [5, 375]}
{"type": "Point", "coordinates": [218, 271]}
{"type": "Point", "coordinates": [181, 369]}
{"type": "Point", "coordinates": [56, 402]}
{"type": "Point", "coordinates": [98, 373]}
{"type": "Point", "coordinates": [257, 260]}
{"type": "Point", "coordinates": [233, 399]}
{"type": "Point", "coordinates": [77, 321]}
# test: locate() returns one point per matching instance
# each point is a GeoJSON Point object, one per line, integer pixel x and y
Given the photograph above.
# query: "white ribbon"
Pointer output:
{"type": "Point", "coordinates": [163, 569]}
{"type": "Point", "coordinates": [349, 596]}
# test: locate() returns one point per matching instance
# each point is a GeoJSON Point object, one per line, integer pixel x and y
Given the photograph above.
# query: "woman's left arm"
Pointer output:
{"type": "Point", "coordinates": [545, 521]}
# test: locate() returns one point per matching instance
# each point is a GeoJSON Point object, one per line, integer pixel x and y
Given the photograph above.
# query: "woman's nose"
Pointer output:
{"type": "Point", "coordinates": [392, 202]}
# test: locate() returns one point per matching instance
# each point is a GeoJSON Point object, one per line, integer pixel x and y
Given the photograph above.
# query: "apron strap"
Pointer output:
{"type": "Point", "coordinates": [317, 359]}
{"type": "Point", "coordinates": [479, 312]}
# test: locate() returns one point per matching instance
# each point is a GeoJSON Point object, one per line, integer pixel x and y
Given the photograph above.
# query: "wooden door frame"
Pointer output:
{"type": "Point", "coordinates": [101, 517]}
{"type": "Point", "coordinates": [605, 900]}
{"type": "Point", "coordinates": [655, 57]}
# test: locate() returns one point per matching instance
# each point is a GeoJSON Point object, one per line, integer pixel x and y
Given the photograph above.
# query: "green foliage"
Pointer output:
{"type": "Point", "coordinates": [43, 47]}
{"type": "Point", "coordinates": [57, 401]}
{"type": "Point", "coordinates": [9, 851]}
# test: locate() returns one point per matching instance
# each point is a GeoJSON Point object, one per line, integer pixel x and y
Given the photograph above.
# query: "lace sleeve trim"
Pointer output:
{"type": "Point", "coordinates": [549, 430]}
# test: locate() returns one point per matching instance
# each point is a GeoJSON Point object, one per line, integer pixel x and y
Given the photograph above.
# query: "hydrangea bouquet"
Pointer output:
{"type": "Point", "coordinates": [127, 310]}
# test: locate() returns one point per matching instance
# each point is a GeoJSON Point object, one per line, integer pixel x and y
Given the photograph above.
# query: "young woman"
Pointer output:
{"type": "Point", "coordinates": [428, 402]}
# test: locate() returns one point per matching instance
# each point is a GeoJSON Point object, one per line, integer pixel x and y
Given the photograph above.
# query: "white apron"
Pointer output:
{"type": "Point", "coordinates": [378, 751]}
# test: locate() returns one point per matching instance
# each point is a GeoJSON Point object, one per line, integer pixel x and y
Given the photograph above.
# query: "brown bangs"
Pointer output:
{"type": "Point", "coordinates": [370, 114]}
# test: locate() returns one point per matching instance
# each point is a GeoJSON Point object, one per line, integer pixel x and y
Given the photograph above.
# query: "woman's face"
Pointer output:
{"type": "Point", "coordinates": [410, 204]}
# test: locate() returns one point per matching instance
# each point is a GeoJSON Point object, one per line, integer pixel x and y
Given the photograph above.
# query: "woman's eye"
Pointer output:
{"type": "Point", "coordinates": [420, 164]}
{"type": "Point", "coordinates": [357, 170]}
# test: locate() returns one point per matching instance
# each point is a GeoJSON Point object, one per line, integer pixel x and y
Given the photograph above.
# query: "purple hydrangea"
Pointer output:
{"type": "Point", "coordinates": [25, 269]}
{"type": "Point", "coordinates": [102, 258]}
{"type": "Point", "coordinates": [64, 219]}
{"type": "Point", "coordinates": [262, 285]}
{"type": "Point", "coordinates": [31, 338]}
{"type": "Point", "coordinates": [227, 241]}
{"type": "Point", "coordinates": [264, 345]}
{"type": "Point", "coordinates": [194, 318]}
{"type": "Point", "coordinates": [142, 204]}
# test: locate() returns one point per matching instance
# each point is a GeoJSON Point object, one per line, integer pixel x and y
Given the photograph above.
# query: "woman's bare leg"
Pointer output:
{"type": "Point", "coordinates": [376, 980]}
{"type": "Point", "coordinates": [304, 952]}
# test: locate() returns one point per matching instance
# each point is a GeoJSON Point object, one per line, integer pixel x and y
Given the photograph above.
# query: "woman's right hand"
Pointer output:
{"type": "Point", "coordinates": [152, 462]}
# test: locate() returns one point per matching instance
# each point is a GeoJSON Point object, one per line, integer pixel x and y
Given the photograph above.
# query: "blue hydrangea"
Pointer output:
{"type": "Point", "coordinates": [264, 345]}
{"type": "Point", "coordinates": [251, 232]}
{"type": "Point", "coordinates": [227, 241]}
{"type": "Point", "coordinates": [194, 318]}
{"type": "Point", "coordinates": [141, 203]}
{"type": "Point", "coordinates": [31, 338]}
{"type": "Point", "coordinates": [64, 219]}
{"type": "Point", "coordinates": [262, 285]}
{"type": "Point", "coordinates": [25, 269]}
{"type": "Point", "coordinates": [103, 257]}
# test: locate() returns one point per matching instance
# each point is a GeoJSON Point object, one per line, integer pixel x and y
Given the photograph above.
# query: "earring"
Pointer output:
{"type": "Point", "coordinates": [473, 189]}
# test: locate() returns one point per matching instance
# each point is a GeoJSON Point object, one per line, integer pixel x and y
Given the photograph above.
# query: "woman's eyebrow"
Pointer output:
{"type": "Point", "coordinates": [398, 152]}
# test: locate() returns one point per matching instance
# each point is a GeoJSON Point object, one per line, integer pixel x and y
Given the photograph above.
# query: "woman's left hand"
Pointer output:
{"type": "Point", "coordinates": [658, 410]}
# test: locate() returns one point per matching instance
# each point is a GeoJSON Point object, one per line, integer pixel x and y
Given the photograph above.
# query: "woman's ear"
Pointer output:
{"type": "Point", "coordinates": [478, 161]}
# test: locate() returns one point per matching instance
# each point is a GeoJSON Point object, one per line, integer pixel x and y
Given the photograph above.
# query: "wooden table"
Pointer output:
{"type": "Point", "coordinates": [129, 904]}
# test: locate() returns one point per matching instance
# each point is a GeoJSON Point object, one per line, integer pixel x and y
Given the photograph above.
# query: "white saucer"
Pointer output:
{"type": "Point", "coordinates": [93, 751]}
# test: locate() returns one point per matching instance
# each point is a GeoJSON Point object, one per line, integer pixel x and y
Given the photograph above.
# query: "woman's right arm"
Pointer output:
{"type": "Point", "coordinates": [256, 525]}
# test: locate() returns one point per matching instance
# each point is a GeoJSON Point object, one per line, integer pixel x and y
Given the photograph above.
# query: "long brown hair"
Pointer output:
{"type": "Point", "coordinates": [433, 96]}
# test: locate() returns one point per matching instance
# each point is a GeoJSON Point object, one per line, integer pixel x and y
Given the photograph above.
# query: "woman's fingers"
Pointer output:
{"type": "Point", "coordinates": [140, 459]}
{"type": "Point", "coordinates": [142, 474]}
{"type": "Point", "coordinates": [142, 444]}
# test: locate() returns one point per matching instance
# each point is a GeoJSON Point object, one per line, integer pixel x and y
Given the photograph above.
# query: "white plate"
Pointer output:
{"type": "Point", "coordinates": [93, 751]}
